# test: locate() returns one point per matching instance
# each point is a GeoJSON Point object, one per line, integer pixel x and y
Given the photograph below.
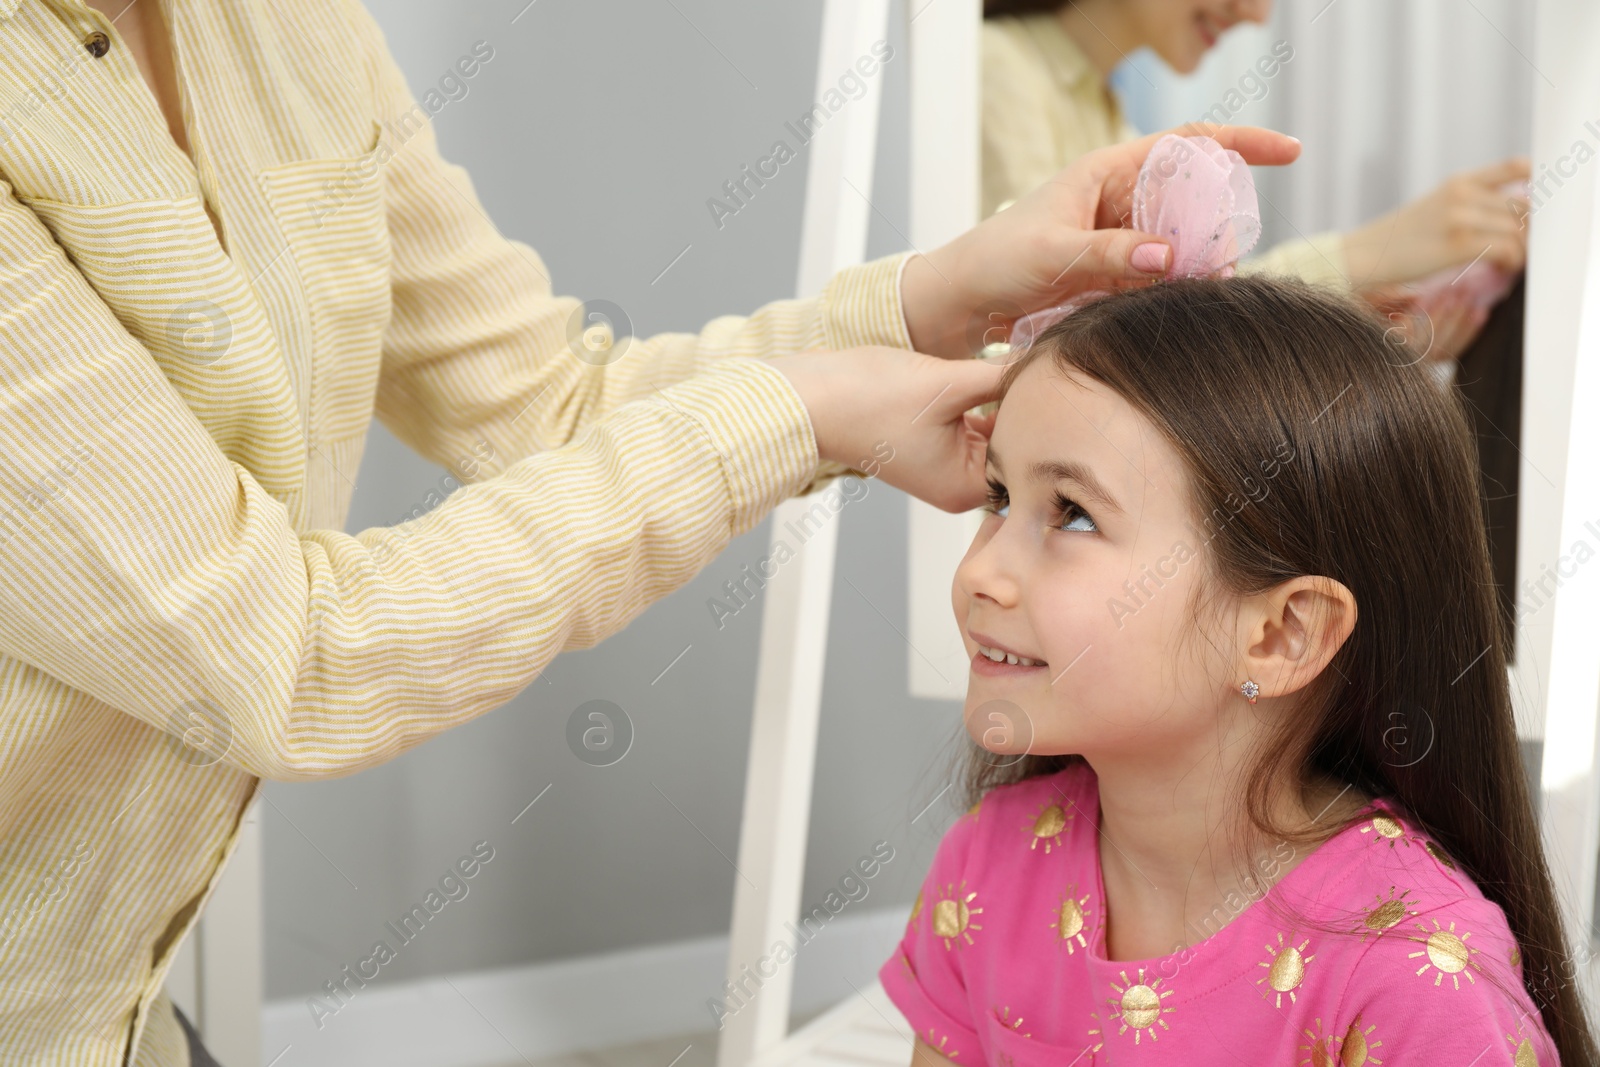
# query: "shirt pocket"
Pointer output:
{"type": "Point", "coordinates": [331, 212]}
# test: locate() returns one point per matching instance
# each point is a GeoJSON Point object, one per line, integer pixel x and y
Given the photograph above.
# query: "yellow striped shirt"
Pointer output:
{"type": "Point", "coordinates": [181, 421]}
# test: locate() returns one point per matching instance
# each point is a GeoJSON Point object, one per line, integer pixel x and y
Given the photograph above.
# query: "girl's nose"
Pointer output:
{"type": "Point", "coordinates": [1257, 11]}
{"type": "Point", "coordinates": [989, 569]}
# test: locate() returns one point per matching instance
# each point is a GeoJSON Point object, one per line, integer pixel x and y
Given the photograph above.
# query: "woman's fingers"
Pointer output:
{"type": "Point", "coordinates": [1494, 175]}
{"type": "Point", "coordinates": [1101, 258]}
{"type": "Point", "coordinates": [1259, 146]}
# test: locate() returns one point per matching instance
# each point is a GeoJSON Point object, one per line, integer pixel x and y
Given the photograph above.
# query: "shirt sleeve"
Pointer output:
{"type": "Point", "coordinates": [145, 569]}
{"type": "Point", "coordinates": [1441, 987]}
{"type": "Point", "coordinates": [1317, 260]}
{"type": "Point", "coordinates": [925, 977]}
{"type": "Point", "coordinates": [479, 347]}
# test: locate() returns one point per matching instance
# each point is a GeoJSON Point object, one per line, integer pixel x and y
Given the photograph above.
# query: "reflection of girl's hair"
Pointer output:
{"type": "Point", "coordinates": [996, 8]}
{"type": "Point", "coordinates": [1381, 495]}
{"type": "Point", "coordinates": [1489, 383]}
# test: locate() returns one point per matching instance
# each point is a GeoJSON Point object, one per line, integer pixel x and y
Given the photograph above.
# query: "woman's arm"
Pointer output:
{"type": "Point", "coordinates": [1318, 260]}
{"type": "Point", "coordinates": [1466, 217]}
{"type": "Point", "coordinates": [478, 345]}
{"type": "Point", "coordinates": [144, 568]}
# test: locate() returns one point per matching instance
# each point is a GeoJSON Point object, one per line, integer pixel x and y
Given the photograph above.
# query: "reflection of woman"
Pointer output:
{"type": "Point", "coordinates": [1047, 100]}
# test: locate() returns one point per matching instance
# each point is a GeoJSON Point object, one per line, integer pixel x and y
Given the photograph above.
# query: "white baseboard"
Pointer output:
{"type": "Point", "coordinates": [489, 1018]}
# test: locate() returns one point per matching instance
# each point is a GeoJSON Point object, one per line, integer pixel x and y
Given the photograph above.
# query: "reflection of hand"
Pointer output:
{"type": "Point", "coordinates": [861, 397]}
{"type": "Point", "coordinates": [1065, 237]}
{"type": "Point", "coordinates": [1437, 334]}
{"type": "Point", "coordinates": [1467, 216]}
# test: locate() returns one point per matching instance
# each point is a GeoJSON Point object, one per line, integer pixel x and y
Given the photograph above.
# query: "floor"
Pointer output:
{"type": "Point", "coordinates": [686, 1050]}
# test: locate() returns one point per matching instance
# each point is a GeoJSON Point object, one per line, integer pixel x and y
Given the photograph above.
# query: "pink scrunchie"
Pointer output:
{"type": "Point", "coordinates": [1197, 196]}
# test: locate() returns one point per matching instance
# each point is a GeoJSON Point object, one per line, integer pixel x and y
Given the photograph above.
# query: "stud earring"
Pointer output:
{"type": "Point", "coordinates": [1250, 689]}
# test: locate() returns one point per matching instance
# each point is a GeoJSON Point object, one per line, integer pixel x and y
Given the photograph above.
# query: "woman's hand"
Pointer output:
{"type": "Point", "coordinates": [861, 397]}
{"type": "Point", "coordinates": [1438, 335]}
{"type": "Point", "coordinates": [1065, 237]}
{"type": "Point", "coordinates": [1467, 216]}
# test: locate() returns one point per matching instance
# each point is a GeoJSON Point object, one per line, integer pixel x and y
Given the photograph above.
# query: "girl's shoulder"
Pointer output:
{"type": "Point", "coordinates": [1432, 962]}
{"type": "Point", "coordinates": [1384, 844]}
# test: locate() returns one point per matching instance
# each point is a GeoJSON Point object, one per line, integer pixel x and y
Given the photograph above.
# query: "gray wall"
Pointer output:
{"type": "Point", "coordinates": [596, 134]}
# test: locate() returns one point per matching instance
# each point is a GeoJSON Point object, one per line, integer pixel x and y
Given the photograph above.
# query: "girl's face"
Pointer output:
{"type": "Point", "coordinates": [1181, 32]}
{"type": "Point", "coordinates": [1089, 566]}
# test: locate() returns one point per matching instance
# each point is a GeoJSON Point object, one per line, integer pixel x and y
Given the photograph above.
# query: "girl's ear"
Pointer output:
{"type": "Point", "coordinates": [1293, 630]}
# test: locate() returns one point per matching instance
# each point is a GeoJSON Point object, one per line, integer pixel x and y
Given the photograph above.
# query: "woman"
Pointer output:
{"type": "Point", "coordinates": [225, 244]}
{"type": "Point", "coordinates": [1047, 99]}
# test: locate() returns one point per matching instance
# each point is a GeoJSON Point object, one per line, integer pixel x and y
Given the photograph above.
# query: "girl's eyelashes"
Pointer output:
{"type": "Point", "coordinates": [999, 503]}
{"type": "Point", "coordinates": [1067, 510]}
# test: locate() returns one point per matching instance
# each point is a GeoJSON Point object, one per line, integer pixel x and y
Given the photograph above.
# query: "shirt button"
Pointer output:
{"type": "Point", "coordinates": [97, 43]}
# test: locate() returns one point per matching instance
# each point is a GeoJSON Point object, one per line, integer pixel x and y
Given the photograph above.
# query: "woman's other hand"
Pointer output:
{"type": "Point", "coordinates": [1468, 216]}
{"type": "Point", "coordinates": [900, 416]}
{"type": "Point", "coordinates": [1436, 334]}
{"type": "Point", "coordinates": [1065, 237]}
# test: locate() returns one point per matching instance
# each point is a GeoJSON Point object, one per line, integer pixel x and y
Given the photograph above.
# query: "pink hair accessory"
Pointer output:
{"type": "Point", "coordinates": [1197, 196]}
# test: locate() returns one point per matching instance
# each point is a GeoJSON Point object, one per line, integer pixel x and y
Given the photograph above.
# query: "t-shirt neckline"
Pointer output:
{"type": "Point", "coordinates": [1097, 951]}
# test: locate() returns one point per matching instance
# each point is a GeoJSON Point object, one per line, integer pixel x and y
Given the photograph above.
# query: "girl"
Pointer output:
{"type": "Point", "coordinates": [1247, 788]}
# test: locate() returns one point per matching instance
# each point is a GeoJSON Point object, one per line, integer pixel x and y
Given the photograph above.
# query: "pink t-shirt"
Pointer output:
{"type": "Point", "coordinates": [1004, 958]}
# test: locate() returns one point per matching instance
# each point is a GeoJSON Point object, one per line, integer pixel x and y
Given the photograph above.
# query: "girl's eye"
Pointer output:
{"type": "Point", "coordinates": [999, 502]}
{"type": "Point", "coordinates": [1076, 518]}
{"type": "Point", "coordinates": [1073, 517]}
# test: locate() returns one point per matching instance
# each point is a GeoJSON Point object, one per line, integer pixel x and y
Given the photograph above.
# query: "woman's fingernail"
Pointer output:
{"type": "Point", "coordinates": [1150, 257]}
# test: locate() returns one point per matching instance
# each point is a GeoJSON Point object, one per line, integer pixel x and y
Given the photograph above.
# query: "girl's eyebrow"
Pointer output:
{"type": "Point", "coordinates": [1070, 470]}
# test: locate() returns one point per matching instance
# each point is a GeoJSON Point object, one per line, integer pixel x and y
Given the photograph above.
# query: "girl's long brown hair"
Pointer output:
{"type": "Point", "coordinates": [1381, 495]}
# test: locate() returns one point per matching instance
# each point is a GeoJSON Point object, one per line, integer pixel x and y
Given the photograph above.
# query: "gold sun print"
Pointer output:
{"type": "Point", "coordinates": [952, 914]}
{"type": "Point", "coordinates": [1286, 969]}
{"type": "Point", "coordinates": [1387, 828]}
{"type": "Point", "coordinates": [1524, 1056]}
{"type": "Point", "coordinates": [1447, 951]}
{"type": "Point", "coordinates": [973, 811]}
{"type": "Point", "coordinates": [939, 1046]}
{"type": "Point", "coordinates": [1048, 825]}
{"type": "Point", "coordinates": [1353, 1048]}
{"type": "Point", "coordinates": [1316, 1053]}
{"type": "Point", "coordinates": [1516, 956]}
{"type": "Point", "coordinates": [1097, 1037]}
{"type": "Point", "coordinates": [1071, 919]}
{"type": "Point", "coordinates": [1386, 914]}
{"type": "Point", "coordinates": [1138, 1006]}
{"type": "Point", "coordinates": [916, 911]}
{"type": "Point", "coordinates": [1004, 1019]}
{"type": "Point", "coordinates": [1438, 853]}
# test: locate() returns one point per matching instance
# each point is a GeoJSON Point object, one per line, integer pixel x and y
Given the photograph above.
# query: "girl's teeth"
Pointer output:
{"type": "Point", "coordinates": [1008, 657]}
